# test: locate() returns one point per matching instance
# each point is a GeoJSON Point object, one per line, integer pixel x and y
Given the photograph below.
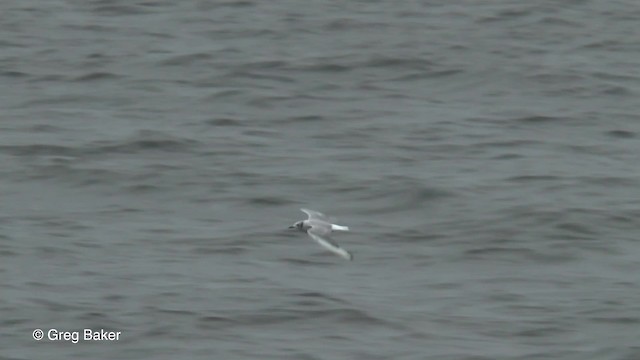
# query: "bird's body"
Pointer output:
{"type": "Point", "coordinates": [319, 229]}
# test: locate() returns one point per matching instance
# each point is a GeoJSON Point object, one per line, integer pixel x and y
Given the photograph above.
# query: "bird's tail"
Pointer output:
{"type": "Point", "coordinates": [339, 227]}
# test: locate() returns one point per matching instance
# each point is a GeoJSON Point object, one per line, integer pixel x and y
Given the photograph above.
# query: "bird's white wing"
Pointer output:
{"type": "Point", "coordinates": [315, 215]}
{"type": "Point", "coordinates": [329, 244]}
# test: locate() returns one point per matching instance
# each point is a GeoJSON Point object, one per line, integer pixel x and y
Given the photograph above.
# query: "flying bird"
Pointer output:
{"type": "Point", "coordinates": [319, 229]}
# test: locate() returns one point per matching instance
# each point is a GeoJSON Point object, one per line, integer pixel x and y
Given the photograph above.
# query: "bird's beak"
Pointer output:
{"type": "Point", "coordinates": [292, 227]}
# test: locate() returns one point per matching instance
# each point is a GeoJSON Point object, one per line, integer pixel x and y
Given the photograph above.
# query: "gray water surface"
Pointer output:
{"type": "Point", "coordinates": [484, 154]}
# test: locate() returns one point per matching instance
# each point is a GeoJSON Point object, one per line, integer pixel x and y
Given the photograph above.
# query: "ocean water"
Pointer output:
{"type": "Point", "coordinates": [486, 156]}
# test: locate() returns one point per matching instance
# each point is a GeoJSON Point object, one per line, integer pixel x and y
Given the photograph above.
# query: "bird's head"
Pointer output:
{"type": "Point", "coordinates": [298, 225]}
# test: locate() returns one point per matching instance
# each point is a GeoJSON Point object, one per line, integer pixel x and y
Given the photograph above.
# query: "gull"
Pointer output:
{"type": "Point", "coordinates": [319, 228]}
